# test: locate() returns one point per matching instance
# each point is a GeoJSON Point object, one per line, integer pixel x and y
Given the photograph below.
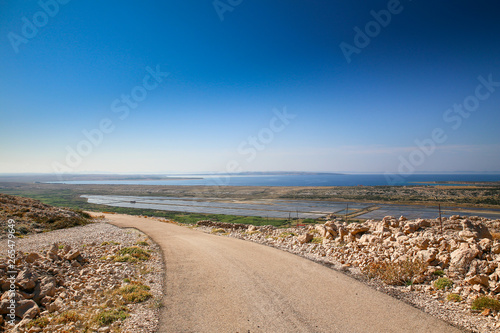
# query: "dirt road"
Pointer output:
{"type": "Point", "coordinates": [221, 284]}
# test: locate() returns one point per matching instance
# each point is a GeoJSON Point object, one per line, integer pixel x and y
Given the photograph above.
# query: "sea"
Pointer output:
{"type": "Point", "coordinates": [316, 179]}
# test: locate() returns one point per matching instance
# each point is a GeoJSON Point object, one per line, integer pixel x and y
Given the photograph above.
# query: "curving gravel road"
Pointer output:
{"type": "Point", "coordinates": [222, 284]}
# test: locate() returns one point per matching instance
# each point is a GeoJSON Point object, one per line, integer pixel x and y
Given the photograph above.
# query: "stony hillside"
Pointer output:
{"type": "Point", "coordinates": [33, 216]}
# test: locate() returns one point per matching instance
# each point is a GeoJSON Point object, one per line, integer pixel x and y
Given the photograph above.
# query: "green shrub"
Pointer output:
{"type": "Point", "coordinates": [485, 302]}
{"type": "Point", "coordinates": [443, 283]}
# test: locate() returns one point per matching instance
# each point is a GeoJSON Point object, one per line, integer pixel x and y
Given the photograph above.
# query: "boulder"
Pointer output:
{"type": "Point", "coordinates": [355, 228]}
{"type": "Point", "coordinates": [475, 230]}
{"type": "Point", "coordinates": [321, 229]}
{"type": "Point", "coordinates": [54, 249]}
{"type": "Point", "coordinates": [461, 258]}
{"type": "Point", "coordinates": [331, 231]}
{"type": "Point", "coordinates": [27, 309]}
{"type": "Point", "coordinates": [370, 239]}
{"type": "Point", "coordinates": [481, 279]}
{"type": "Point", "coordinates": [26, 279]}
{"type": "Point", "coordinates": [32, 257]}
{"type": "Point", "coordinates": [46, 287]}
{"type": "Point", "coordinates": [428, 256]}
{"type": "Point", "coordinates": [495, 249]}
{"type": "Point", "coordinates": [305, 238]}
{"type": "Point", "coordinates": [72, 255]}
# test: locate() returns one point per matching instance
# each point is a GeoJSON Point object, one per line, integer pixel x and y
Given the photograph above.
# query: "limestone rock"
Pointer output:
{"type": "Point", "coordinates": [355, 228]}
{"type": "Point", "coordinates": [46, 287]}
{"type": "Point", "coordinates": [428, 256]}
{"type": "Point", "coordinates": [27, 309]}
{"type": "Point", "coordinates": [72, 255]}
{"type": "Point", "coordinates": [478, 279]}
{"type": "Point", "coordinates": [305, 238]}
{"type": "Point", "coordinates": [26, 279]}
{"type": "Point", "coordinates": [460, 259]}
{"type": "Point", "coordinates": [474, 230]}
{"type": "Point", "coordinates": [32, 257]}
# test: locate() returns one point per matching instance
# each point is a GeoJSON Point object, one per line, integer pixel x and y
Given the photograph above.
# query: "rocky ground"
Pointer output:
{"type": "Point", "coordinates": [93, 278]}
{"type": "Point", "coordinates": [453, 274]}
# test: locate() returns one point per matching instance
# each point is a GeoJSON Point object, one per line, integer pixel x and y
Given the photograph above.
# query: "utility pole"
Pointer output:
{"type": "Point", "coordinates": [440, 219]}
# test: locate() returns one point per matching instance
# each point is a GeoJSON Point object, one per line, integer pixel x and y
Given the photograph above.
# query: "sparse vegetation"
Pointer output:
{"type": "Point", "coordinates": [66, 317]}
{"type": "Point", "coordinates": [107, 317]}
{"type": "Point", "coordinates": [40, 322]}
{"type": "Point", "coordinates": [131, 254]}
{"type": "Point", "coordinates": [285, 234]}
{"type": "Point", "coordinates": [135, 292]}
{"type": "Point", "coordinates": [453, 298]}
{"type": "Point", "coordinates": [217, 231]}
{"type": "Point", "coordinates": [109, 243]}
{"type": "Point", "coordinates": [317, 240]}
{"type": "Point", "coordinates": [438, 272]}
{"type": "Point", "coordinates": [395, 273]}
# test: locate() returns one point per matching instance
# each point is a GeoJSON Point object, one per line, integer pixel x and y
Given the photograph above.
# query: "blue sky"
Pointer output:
{"type": "Point", "coordinates": [267, 88]}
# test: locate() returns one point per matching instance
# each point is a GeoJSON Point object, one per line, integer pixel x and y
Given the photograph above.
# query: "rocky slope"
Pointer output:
{"type": "Point", "coordinates": [95, 278]}
{"type": "Point", "coordinates": [32, 216]}
{"type": "Point", "coordinates": [453, 273]}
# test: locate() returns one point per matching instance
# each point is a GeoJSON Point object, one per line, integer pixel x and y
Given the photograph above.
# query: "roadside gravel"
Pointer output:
{"type": "Point", "coordinates": [90, 240]}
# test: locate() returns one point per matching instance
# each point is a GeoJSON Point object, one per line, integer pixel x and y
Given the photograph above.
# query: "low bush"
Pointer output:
{"type": "Point", "coordinates": [485, 302]}
{"type": "Point", "coordinates": [443, 283]}
{"type": "Point", "coordinates": [396, 273]}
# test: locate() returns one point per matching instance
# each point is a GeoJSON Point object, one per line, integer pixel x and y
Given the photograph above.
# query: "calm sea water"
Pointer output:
{"type": "Point", "coordinates": [308, 180]}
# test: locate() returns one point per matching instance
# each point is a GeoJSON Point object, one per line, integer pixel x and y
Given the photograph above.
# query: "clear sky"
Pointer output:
{"type": "Point", "coordinates": [240, 85]}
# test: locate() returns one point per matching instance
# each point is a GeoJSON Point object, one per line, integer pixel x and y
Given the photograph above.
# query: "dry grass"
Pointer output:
{"type": "Point", "coordinates": [395, 273]}
{"type": "Point", "coordinates": [454, 298]}
{"type": "Point", "coordinates": [317, 240]}
{"type": "Point", "coordinates": [66, 317]}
